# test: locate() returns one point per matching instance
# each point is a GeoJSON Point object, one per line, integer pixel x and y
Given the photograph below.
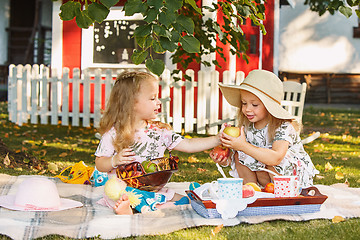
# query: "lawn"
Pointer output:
{"type": "Point", "coordinates": [335, 154]}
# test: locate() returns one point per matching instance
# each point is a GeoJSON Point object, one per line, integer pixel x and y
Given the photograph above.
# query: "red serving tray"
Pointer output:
{"type": "Point", "coordinates": [303, 199]}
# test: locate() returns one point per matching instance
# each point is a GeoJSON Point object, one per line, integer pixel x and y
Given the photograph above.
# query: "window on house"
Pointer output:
{"type": "Point", "coordinates": [114, 41]}
{"type": "Point", "coordinates": [111, 43]}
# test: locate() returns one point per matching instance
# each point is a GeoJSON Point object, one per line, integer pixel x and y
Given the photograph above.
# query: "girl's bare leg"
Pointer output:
{"type": "Point", "coordinates": [272, 169]}
{"type": "Point", "coordinates": [244, 172]}
{"type": "Point", "coordinates": [263, 178]}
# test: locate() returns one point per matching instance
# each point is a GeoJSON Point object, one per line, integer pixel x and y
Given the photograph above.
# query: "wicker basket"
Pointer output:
{"type": "Point", "coordinates": [135, 176]}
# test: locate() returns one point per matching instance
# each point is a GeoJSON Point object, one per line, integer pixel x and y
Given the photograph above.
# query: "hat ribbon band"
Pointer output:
{"type": "Point", "coordinates": [262, 92]}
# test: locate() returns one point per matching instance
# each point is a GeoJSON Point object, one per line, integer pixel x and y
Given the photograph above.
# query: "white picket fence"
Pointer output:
{"type": "Point", "coordinates": [36, 95]}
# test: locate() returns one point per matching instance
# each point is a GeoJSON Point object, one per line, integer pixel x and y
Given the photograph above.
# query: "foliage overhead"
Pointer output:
{"type": "Point", "coordinates": [332, 6]}
{"type": "Point", "coordinates": [177, 26]}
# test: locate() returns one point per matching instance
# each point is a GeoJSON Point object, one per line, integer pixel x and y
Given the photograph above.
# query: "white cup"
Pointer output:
{"type": "Point", "coordinates": [286, 186]}
{"type": "Point", "coordinates": [226, 188]}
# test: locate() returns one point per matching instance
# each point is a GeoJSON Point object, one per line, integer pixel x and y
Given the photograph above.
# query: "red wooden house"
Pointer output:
{"type": "Point", "coordinates": [108, 45]}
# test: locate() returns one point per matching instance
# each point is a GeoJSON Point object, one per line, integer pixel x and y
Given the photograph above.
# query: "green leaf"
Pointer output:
{"type": "Point", "coordinates": [143, 30]}
{"type": "Point", "coordinates": [83, 20]}
{"type": "Point", "coordinates": [156, 66]}
{"type": "Point", "coordinates": [109, 3]}
{"type": "Point", "coordinates": [167, 44]}
{"type": "Point", "coordinates": [139, 56]}
{"type": "Point", "coordinates": [160, 30]}
{"type": "Point", "coordinates": [174, 5]}
{"type": "Point", "coordinates": [167, 18]}
{"type": "Point", "coordinates": [134, 6]}
{"type": "Point", "coordinates": [98, 12]}
{"type": "Point", "coordinates": [190, 44]}
{"type": "Point", "coordinates": [193, 4]}
{"type": "Point", "coordinates": [157, 4]}
{"type": "Point", "coordinates": [346, 11]}
{"type": "Point", "coordinates": [144, 42]}
{"type": "Point", "coordinates": [158, 48]}
{"type": "Point", "coordinates": [68, 10]}
{"type": "Point", "coordinates": [186, 23]}
{"type": "Point", "coordinates": [151, 15]}
{"type": "Point", "coordinates": [175, 36]}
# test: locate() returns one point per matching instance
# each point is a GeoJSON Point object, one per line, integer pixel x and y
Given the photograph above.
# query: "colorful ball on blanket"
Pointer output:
{"type": "Point", "coordinates": [114, 188]}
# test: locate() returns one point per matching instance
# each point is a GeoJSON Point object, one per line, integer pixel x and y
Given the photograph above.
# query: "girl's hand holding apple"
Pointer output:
{"type": "Point", "coordinates": [235, 141]}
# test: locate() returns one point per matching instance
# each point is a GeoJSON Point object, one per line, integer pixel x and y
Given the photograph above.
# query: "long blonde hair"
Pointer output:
{"type": "Point", "coordinates": [119, 112]}
{"type": "Point", "coordinates": [274, 123]}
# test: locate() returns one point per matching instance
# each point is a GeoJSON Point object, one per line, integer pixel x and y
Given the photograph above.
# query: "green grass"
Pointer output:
{"type": "Point", "coordinates": [338, 147]}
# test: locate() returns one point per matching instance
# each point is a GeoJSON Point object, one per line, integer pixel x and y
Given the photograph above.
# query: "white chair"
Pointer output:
{"type": "Point", "coordinates": [293, 101]}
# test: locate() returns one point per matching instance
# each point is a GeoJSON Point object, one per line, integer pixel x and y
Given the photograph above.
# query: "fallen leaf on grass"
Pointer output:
{"type": "Point", "coordinates": [6, 135]}
{"type": "Point", "coordinates": [217, 229]}
{"type": "Point", "coordinates": [64, 154]}
{"type": "Point", "coordinates": [328, 166]}
{"type": "Point", "coordinates": [338, 219]}
{"type": "Point", "coordinates": [339, 175]}
{"type": "Point", "coordinates": [192, 159]}
{"type": "Point", "coordinates": [7, 160]}
{"type": "Point", "coordinates": [201, 170]}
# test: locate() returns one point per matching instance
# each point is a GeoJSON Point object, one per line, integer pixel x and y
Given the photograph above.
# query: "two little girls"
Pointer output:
{"type": "Point", "coordinates": [268, 134]}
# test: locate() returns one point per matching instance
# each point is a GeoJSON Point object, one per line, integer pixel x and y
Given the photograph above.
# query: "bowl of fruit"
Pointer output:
{"type": "Point", "coordinates": [150, 175]}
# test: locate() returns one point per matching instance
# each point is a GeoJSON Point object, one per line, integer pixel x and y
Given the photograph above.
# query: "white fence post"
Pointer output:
{"type": "Point", "coordinates": [97, 98]}
{"type": "Point", "coordinates": [65, 98]}
{"type": "Point", "coordinates": [86, 99]}
{"type": "Point", "coordinates": [201, 102]}
{"type": "Point", "coordinates": [177, 104]}
{"type": "Point", "coordinates": [76, 97]}
{"type": "Point", "coordinates": [214, 103]}
{"type": "Point", "coordinates": [54, 98]}
{"type": "Point", "coordinates": [189, 102]}
{"type": "Point", "coordinates": [165, 96]}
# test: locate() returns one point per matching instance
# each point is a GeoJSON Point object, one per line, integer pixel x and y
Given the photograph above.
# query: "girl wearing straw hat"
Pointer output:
{"type": "Point", "coordinates": [268, 133]}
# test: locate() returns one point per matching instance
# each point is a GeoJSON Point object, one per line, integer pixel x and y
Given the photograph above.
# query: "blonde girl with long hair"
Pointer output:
{"type": "Point", "coordinates": [129, 130]}
{"type": "Point", "coordinates": [268, 136]}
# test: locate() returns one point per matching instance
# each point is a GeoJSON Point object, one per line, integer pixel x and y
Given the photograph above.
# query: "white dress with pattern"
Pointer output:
{"type": "Point", "coordinates": [295, 163]}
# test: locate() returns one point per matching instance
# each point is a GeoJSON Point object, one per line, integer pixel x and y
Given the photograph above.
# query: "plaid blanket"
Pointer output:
{"type": "Point", "coordinates": [94, 220]}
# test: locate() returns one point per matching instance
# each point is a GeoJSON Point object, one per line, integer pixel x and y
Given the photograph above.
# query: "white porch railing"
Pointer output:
{"type": "Point", "coordinates": [35, 95]}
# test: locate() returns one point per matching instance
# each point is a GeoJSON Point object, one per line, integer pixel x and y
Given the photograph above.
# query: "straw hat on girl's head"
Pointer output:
{"type": "Point", "coordinates": [263, 84]}
{"type": "Point", "coordinates": [37, 194]}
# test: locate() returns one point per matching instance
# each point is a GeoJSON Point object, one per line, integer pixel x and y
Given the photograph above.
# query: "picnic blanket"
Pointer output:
{"type": "Point", "coordinates": [94, 220]}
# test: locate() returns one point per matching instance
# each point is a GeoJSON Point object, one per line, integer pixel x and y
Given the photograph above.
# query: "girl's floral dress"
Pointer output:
{"type": "Point", "coordinates": [150, 142]}
{"type": "Point", "coordinates": [296, 161]}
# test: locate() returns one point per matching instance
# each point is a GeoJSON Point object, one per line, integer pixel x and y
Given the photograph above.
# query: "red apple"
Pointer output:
{"type": "Point", "coordinates": [221, 151]}
{"type": "Point", "coordinates": [248, 191]}
{"type": "Point", "coordinates": [232, 131]}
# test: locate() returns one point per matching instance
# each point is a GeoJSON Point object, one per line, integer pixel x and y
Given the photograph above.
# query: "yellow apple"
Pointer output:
{"type": "Point", "coordinates": [232, 131]}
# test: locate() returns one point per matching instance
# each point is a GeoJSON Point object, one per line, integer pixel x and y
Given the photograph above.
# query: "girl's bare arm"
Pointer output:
{"type": "Point", "coordinates": [197, 144]}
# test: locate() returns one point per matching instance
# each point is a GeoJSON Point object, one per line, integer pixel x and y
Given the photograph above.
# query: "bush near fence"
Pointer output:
{"type": "Point", "coordinates": [38, 96]}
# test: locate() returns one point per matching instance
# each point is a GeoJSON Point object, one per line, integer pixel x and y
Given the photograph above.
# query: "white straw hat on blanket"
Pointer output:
{"type": "Point", "coordinates": [37, 194]}
{"type": "Point", "coordinates": [265, 85]}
